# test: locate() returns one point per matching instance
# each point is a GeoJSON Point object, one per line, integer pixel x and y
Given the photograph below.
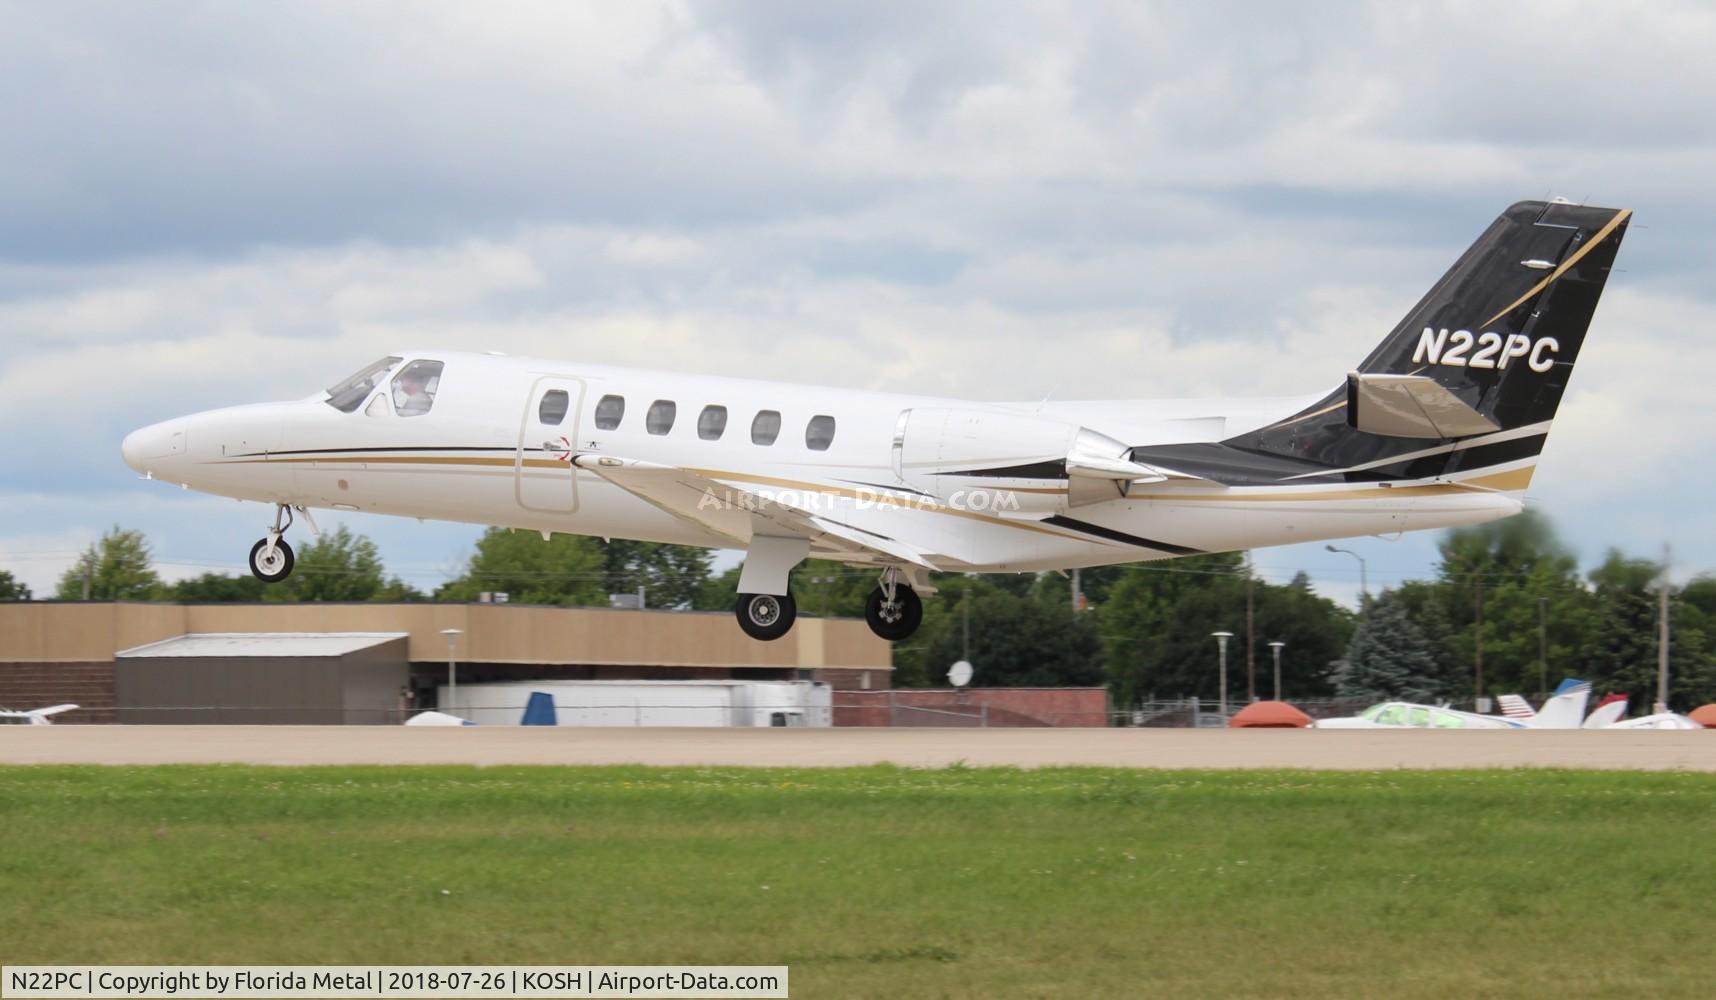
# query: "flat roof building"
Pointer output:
{"type": "Point", "coordinates": [53, 652]}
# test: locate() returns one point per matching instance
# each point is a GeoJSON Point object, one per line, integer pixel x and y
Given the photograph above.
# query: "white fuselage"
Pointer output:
{"type": "Point", "coordinates": [486, 452]}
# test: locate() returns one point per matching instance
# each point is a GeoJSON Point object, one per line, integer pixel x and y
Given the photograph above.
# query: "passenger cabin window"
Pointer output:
{"type": "Point", "coordinates": [712, 423]}
{"type": "Point", "coordinates": [819, 433]}
{"type": "Point", "coordinates": [766, 427]}
{"type": "Point", "coordinates": [552, 409]}
{"type": "Point", "coordinates": [350, 393]}
{"type": "Point", "coordinates": [414, 388]}
{"type": "Point", "coordinates": [609, 411]}
{"type": "Point", "coordinates": [659, 419]}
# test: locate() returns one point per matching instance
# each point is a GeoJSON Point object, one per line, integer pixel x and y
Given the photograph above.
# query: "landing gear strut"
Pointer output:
{"type": "Point", "coordinates": [271, 559]}
{"type": "Point", "coordinates": [893, 611]}
{"type": "Point", "coordinates": [766, 616]}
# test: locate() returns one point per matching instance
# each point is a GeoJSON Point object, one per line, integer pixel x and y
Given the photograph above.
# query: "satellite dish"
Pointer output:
{"type": "Point", "coordinates": [960, 674]}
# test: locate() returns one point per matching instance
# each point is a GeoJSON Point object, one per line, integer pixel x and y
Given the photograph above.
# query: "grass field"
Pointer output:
{"type": "Point", "coordinates": [885, 882]}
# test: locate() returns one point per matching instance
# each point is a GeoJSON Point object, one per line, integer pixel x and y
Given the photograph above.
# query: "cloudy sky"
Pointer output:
{"type": "Point", "coordinates": [210, 203]}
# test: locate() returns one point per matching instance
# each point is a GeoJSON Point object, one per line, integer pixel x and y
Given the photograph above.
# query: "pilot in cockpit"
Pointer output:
{"type": "Point", "coordinates": [413, 388]}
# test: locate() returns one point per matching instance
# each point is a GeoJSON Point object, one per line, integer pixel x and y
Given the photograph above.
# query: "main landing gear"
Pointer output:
{"type": "Point", "coordinates": [894, 610]}
{"type": "Point", "coordinates": [271, 559]}
{"type": "Point", "coordinates": [766, 616]}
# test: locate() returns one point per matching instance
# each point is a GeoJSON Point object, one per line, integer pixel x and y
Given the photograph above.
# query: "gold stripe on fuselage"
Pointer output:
{"type": "Point", "coordinates": [1500, 482]}
{"type": "Point", "coordinates": [1516, 479]}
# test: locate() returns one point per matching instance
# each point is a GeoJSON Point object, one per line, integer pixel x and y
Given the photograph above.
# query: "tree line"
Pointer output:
{"type": "Point", "coordinates": [1507, 600]}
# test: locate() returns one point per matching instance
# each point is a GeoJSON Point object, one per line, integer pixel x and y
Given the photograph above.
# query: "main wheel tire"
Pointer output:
{"type": "Point", "coordinates": [271, 570]}
{"type": "Point", "coordinates": [766, 616]}
{"type": "Point", "coordinates": [898, 620]}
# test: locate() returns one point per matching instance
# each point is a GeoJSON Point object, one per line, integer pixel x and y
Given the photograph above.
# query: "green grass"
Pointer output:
{"type": "Point", "coordinates": [885, 882]}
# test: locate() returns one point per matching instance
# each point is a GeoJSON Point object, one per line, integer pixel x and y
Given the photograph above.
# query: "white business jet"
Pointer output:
{"type": "Point", "coordinates": [1441, 425]}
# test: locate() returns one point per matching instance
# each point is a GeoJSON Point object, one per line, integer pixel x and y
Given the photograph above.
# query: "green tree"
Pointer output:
{"type": "Point", "coordinates": [1016, 641]}
{"type": "Point", "coordinates": [338, 566]}
{"type": "Point", "coordinates": [1156, 627]}
{"type": "Point", "coordinates": [1692, 645]}
{"type": "Point", "coordinates": [217, 588]}
{"type": "Point", "coordinates": [12, 589]}
{"type": "Point", "coordinates": [1316, 631]}
{"type": "Point", "coordinates": [1426, 603]}
{"type": "Point", "coordinates": [1622, 654]}
{"type": "Point", "coordinates": [118, 567]}
{"type": "Point", "coordinates": [1389, 657]}
{"type": "Point", "coordinates": [564, 569]}
{"type": "Point", "coordinates": [672, 575]}
{"type": "Point", "coordinates": [834, 589]}
{"type": "Point", "coordinates": [1521, 573]}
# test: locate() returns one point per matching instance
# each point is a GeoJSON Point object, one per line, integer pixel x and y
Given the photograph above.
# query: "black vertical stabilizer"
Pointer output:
{"type": "Point", "coordinates": [1500, 332]}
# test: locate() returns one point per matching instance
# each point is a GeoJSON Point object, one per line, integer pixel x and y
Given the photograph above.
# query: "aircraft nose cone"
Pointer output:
{"type": "Point", "coordinates": [150, 444]}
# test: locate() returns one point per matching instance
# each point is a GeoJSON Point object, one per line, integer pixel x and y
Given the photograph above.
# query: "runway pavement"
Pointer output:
{"type": "Point", "coordinates": [1159, 748]}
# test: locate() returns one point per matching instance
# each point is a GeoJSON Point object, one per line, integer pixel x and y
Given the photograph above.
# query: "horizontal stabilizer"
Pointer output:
{"type": "Point", "coordinates": [1411, 406]}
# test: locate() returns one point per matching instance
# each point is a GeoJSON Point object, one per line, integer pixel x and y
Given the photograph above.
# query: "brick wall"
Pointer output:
{"type": "Point", "coordinates": [24, 686]}
{"type": "Point", "coordinates": [1086, 707]}
{"type": "Point", "coordinates": [850, 679]}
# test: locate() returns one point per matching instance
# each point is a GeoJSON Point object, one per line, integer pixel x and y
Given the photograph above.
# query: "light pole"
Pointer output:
{"type": "Point", "coordinates": [1543, 647]}
{"type": "Point", "coordinates": [452, 635]}
{"type": "Point", "coordinates": [1221, 639]}
{"type": "Point", "coordinates": [1275, 647]}
{"type": "Point", "coordinates": [1364, 581]}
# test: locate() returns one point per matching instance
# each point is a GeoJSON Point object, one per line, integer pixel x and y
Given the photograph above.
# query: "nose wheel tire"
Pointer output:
{"type": "Point", "coordinates": [766, 616]}
{"type": "Point", "coordinates": [897, 619]}
{"type": "Point", "coordinates": [271, 567]}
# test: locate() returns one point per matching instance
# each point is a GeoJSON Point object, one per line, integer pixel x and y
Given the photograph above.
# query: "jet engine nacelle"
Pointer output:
{"type": "Point", "coordinates": [1003, 462]}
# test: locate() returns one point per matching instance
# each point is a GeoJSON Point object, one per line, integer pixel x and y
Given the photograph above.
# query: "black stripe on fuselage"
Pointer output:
{"type": "Point", "coordinates": [1232, 466]}
{"type": "Point", "coordinates": [1036, 470]}
{"type": "Point", "coordinates": [353, 451]}
{"type": "Point", "coordinates": [1112, 535]}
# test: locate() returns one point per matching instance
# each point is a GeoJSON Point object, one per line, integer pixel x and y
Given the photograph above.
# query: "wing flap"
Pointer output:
{"type": "Point", "coordinates": [736, 512]}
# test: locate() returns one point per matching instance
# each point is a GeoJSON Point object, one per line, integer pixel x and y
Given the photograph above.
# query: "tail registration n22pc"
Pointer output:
{"type": "Point", "coordinates": [1441, 425]}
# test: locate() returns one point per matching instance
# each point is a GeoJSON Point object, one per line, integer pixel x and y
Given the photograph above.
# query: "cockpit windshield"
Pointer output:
{"type": "Point", "coordinates": [351, 393]}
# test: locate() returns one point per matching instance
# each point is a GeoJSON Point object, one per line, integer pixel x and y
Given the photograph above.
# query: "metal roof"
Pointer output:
{"type": "Point", "coordinates": [238, 644]}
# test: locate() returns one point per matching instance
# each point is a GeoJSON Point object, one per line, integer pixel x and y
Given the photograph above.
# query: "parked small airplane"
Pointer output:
{"type": "Point", "coordinates": [1440, 425]}
{"type": "Point", "coordinates": [1411, 715]}
{"type": "Point", "coordinates": [434, 718]}
{"type": "Point", "coordinates": [1611, 713]}
{"type": "Point", "coordinates": [37, 716]}
{"type": "Point", "coordinates": [1564, 710]}
{"type": "Point", "coordinates": [1612, 709]}
{"type": "Point", "coordinates": [1658, 720]}
{"type": "Point", "coordinates": [538, 711]}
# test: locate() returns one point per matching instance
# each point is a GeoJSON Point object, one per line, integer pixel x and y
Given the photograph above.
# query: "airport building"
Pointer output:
{"type": "Point", "coordinates": [311, 664]}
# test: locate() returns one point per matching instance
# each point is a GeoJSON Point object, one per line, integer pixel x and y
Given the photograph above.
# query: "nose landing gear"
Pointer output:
{"type": "Point", "coordinates": [271, 559]}
{"type": "Point", "coordinates": [894, 610]}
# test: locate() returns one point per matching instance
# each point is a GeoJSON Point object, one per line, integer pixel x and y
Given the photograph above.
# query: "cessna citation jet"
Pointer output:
{"type": "Point", "coordinates": [1441, 425]}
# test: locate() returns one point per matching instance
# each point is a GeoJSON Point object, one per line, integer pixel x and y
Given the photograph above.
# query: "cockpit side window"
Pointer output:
{"type": "Point", "coordinates": [349, 394]}
{"type": "Point", "coordinates": [415, 386]}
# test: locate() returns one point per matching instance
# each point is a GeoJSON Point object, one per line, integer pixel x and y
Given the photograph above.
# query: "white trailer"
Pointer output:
{"type": "Point", "coordinates": [648, 703]}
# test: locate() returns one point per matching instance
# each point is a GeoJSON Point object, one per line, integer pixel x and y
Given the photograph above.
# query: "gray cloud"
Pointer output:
{"type": "Point", "coordinates": [204, 204]}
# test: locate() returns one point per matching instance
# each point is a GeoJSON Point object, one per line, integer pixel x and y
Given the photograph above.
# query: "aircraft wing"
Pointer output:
{"type": "Point", "coordinates": [37, 716]}
{"type": "Point", "coordinates": [735, 511]}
